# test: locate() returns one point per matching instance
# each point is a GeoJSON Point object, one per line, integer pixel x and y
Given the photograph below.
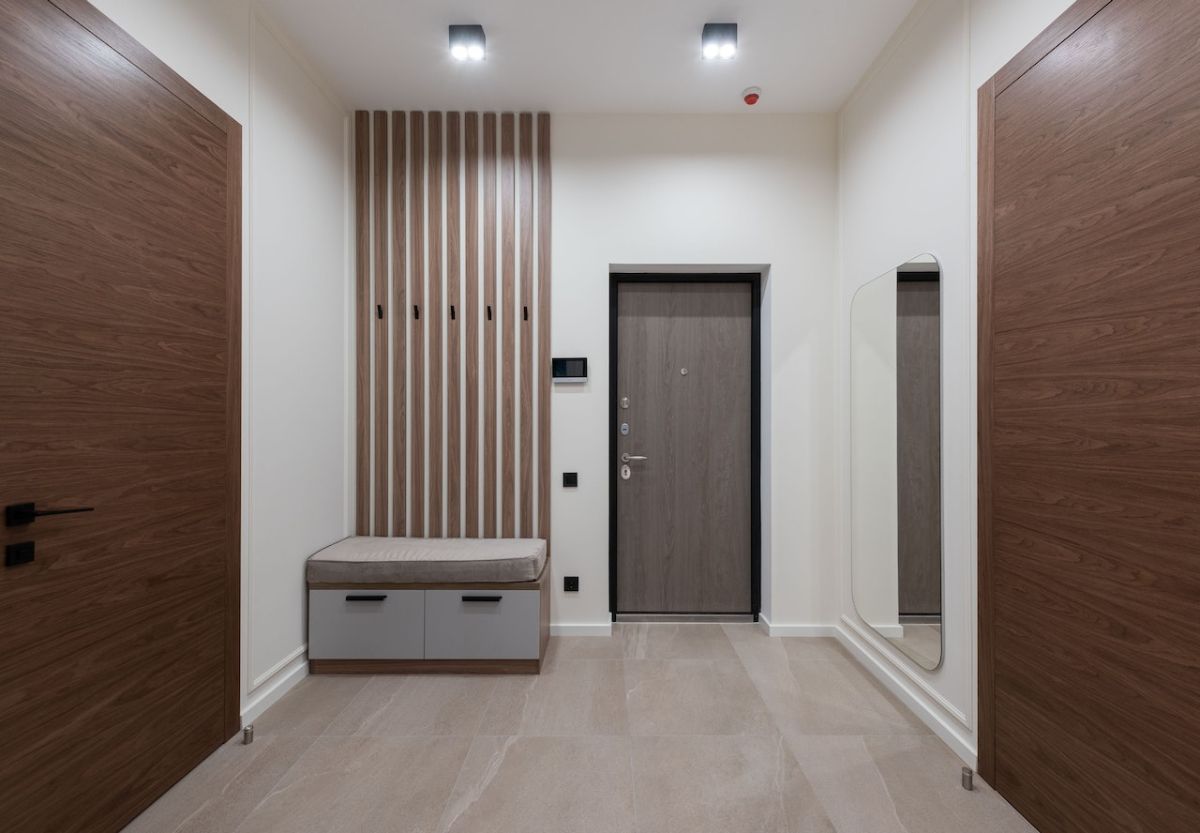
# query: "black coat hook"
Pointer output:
{"type": "Point", "coordinates": [416, 312]}
{"type": "Point", "coordinates": [489, 306]}
{"type": "Point", "coordinates": [525, 313]}
{"type": "Point", "coordinates": [379, 311]}
{"type": "Point", "coordinates": [452, 312]}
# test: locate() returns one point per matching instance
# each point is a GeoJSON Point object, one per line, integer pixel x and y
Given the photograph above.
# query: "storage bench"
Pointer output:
{"type": "Point", "coordinates": [403, 605]}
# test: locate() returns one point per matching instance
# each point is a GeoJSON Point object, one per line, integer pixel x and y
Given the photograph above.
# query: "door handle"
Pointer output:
{"type": "Point", "coordinates": [482, 598]}
{"type": "Point", "coordinates": [632, 458]}
{"type": "Point", "coordinates": [20, 514]}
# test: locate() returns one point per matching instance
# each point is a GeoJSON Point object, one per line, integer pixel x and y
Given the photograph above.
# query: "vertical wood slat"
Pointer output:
{"type": "Point", "coordinates": [416, 214]}
{"type": "Point", "coordinates": [435, 348]}
{"type": "Point", "coordinates": [490, 322]}
{"type": "Point", "coordinates": [543, 319]}
{"type": "Point", "coordinates": [399, 320]}
{"type": "Point", "coordinates": [471, 316]}
{"type": "Point", "coordinates": [525, 320]}
{"type": "Point", "coordinates": [508, 336]}
{"type": "Point", "coordinates": [362, 294]}
{"type": "Point", "coordinates": [379, 177]}
{"type": "Point", "coordinates": [453, 330]}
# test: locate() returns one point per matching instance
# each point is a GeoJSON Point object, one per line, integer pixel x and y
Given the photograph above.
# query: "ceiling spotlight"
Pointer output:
{"type": "Point", "coordinates": [467, 43]}
{"type": "Point", "coordinates": [719, 41]}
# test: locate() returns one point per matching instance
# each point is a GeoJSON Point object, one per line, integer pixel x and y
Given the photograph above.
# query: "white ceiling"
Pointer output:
{"type": "Point", "coordinates": [591, 56]}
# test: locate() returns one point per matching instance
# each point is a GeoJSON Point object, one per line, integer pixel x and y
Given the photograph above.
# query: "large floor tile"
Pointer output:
{"type": "Point", "coordinates": [543, 785]}
{"type": "Point", "coordinates": [803, 649]}
{"type": "Point", "coordinates": [923, 777]}
{"type": "Point", "coordinates": [661, 640]}
{"type": "Point", "coordinates": [848, 785]}
{"type": "Point", "coordinates": [416, 704]}
{"type": "Point", "coordinates": [311, 706]}
{"type": "Point", "coordinates": [693, 697]}
{"type": "Point", "coordinates": [364, 785]}
{"type": "Point", "coordinates": [837, 697]}
{"type": "Point", "coordinates": [708, 784]}
{"type": "Point", "coordinates": [587, 647]}
{"type": "Point", "coordinates": [217, 796]}
{"type": "Point", "coordinates": [569, 697]}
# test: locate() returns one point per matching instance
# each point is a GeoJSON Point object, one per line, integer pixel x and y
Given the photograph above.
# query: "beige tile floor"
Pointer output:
{"type": "Point", "coordinates": [660, 728]}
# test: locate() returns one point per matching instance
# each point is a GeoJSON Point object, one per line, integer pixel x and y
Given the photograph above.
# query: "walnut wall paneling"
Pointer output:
{"type": "Point", "coordinates": [453, 342]}
{"type": "Point", "coordinates": [1089, 448]}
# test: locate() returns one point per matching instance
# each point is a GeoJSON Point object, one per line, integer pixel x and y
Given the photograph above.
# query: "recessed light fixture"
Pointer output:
{"type": "Point", "coordinates": [467, 42]}
{"type": "Point", "coordinates": [719, 41]}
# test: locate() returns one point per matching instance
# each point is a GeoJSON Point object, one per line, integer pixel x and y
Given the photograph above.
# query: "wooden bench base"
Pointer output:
{"type": "Point", "coordinates": [425, 666]}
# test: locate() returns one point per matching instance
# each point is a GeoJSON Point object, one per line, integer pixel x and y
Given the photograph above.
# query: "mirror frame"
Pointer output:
{"type": "Point", "coordinates": [941, 462]}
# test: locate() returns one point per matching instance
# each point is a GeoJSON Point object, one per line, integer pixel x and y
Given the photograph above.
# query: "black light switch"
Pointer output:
{"type": "Point", "coordinates": [18, 554]}
{"type": "Point", "coordinates": [571, 584]}
{"type": "Point", "coordinates": [570, 479]}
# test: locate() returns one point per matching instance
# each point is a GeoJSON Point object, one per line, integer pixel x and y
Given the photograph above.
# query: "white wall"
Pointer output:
{"type": "Point", "coordinates": [906, 183]}
{"type": "Point", "coordinates": [709, 191]}
{"type": "Point", "coordinates": [295, 289]}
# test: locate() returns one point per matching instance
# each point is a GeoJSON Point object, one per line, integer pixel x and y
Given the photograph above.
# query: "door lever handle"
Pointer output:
{"type": "Point", "coordinates": [20, 514]}
{"type": "Point", "coordinates": [632, 458]}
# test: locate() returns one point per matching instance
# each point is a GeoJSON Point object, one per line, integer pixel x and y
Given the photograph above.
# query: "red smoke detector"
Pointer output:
{"type": "Point", "coordinates": [751, 95]}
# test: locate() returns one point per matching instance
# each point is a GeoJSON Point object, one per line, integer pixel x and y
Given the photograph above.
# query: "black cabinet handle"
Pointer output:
{"type": "Point", "coordinates": [379, 598]}
{"type": "Point", "coordinates": [19, 514]}
{"type": "Point", "coordinates": [482, 598]}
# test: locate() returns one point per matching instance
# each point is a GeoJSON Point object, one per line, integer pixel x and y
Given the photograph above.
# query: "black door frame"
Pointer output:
{"type": "Point", "coordinates": [754, 279]}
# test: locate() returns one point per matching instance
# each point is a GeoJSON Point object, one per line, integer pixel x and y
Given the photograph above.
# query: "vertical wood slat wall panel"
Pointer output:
{"type": "Point", "coordinates": [416, 214]}
{"type": "Point", "coordinates": [453, 334]}
{"type": "Point", "coordinates": [471, 316]}
{"type": "Point", "coordinates": [525, 322]}
{"type": "Point", "coordinates": [508, 331]}
{"type": "Point", "coordinates": [379, 177]}
{"type": "Point", "coordinates": [362, 280]}
{"type": "Point", "coordinates": [543, 318]}
{"type": "Point", "coordinates": [417, 179]}
{"type": "Point", "coordinates": [399, 319]}
{"type": "Point", "coordinates": [490, 323]}
{"type": "Point", "coordinates": [436, 418]}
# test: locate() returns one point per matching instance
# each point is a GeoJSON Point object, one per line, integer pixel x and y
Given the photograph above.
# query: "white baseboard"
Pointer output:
{"type": "Point", "coordinates": [283, 680]}
{"type": "Point", "coordinates": [939, 715]}
{"type": "Point", "coordinates": [600, 629]}
{"type": "Point", "coordinates": [772, 629]}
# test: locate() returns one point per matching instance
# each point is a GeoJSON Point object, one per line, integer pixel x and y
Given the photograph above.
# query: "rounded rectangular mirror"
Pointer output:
{"type": "Point", "coordinates": [896, 458]}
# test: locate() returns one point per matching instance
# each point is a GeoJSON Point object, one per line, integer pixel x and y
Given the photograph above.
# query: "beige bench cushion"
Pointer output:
{"type": "Point", "coordinates": [361, 560]}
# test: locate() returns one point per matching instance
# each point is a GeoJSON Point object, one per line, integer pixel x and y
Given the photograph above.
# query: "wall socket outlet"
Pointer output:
{"type": "Point", "coordinates": [571, 584]}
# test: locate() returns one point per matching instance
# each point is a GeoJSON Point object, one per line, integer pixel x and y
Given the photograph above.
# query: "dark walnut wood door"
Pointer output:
{"type": "Point", "coordinates": [684, 371]}
{"type": "Point", "coordinates": [119, 275]}
{"type": "Point", "coordinates": [1090, 423]}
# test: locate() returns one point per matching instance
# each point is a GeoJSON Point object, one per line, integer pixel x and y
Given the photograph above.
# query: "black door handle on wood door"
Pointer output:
{"type": "Point", "coordinates": [20, 514]}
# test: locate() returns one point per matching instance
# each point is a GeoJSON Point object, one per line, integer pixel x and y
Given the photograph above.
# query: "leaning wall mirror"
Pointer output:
{"type": "Point", "coordinates": [896, 458]}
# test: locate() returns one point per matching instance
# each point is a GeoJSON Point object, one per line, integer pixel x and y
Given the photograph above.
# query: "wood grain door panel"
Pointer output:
{"type": "Point", "coordinates": [684, 517]}
{"type": "Point", "coordinates": [919, 440]}
{"type": "Point", "coordinates": [119, 286]}
{"type": "Point", "coordinates": [1090, 421]}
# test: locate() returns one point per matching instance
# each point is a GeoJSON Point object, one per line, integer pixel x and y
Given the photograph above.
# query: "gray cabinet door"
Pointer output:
{"type": "Point", "coordinates": [366, 624]}
{"type": "Point", "coordinates": [482, 624]}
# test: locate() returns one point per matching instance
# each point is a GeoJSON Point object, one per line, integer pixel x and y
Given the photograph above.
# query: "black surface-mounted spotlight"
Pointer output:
{"type": "Point", "coordinates": [719, 41]}
{"type": "Point", "coordinates": [467, 42]}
